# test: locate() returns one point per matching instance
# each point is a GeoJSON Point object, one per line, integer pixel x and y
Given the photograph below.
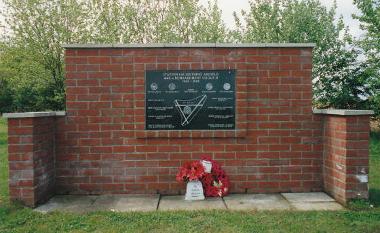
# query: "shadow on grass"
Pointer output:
{"type": "Point", "coordinates": [374, 196]}
{"type": "Point", "coordinates": [3, 133]}
{"type": "Point", "coordinates": [374, 175]}
{"type": "Point", "coordinates": [374, 190]}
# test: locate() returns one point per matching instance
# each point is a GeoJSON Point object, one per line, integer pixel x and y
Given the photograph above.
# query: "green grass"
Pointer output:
{"type": "Point", "coordinates": [14, 218]}
{"type": "Point", "coordinates": [24, 220]}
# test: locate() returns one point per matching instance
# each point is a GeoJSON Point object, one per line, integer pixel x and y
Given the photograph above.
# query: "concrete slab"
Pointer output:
{"type": "Point", "coordinates": [256, 202]}
{"type": "Point", "coordinates": [179, 203]}
{"type": "Point", "coordinates": [312, 201]}
{"type": "Point", "coordinates": [124, 203]}
{"type": "Point", "coordinates": [68, 203]}
{"type": "Point", "coordinates": [83, 204]}
{"type": "Point", "coordinates": [305, 206]}
{"type": "Point", "coordinates": [308, 197]}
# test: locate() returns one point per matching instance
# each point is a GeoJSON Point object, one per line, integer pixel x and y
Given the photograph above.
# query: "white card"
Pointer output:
{"type": "Point", "coordinates": [207, 165]}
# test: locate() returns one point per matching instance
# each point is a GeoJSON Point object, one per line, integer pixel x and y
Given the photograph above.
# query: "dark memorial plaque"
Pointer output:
{"type": "Point", "coordinates": [190, 100]}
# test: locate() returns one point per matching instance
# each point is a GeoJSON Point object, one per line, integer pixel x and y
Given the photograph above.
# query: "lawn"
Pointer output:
{"type": "Point", "coordinates": [14, 218]}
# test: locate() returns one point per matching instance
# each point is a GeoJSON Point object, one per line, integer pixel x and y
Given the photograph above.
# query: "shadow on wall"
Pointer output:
{"type": "Point", "coordinates": [374, 190]}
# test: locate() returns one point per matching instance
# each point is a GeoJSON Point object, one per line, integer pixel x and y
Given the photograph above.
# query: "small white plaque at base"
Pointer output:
{"type": "Point", "coordinates": [362, 178]}
{"type": "Point", "coordinates": [194, 191]}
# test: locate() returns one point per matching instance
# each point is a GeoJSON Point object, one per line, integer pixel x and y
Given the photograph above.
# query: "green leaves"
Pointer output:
{"type": "Point", "coordinates": [26, 81]}
{"type": "Point", "coordinates": [287, 21]}
{"type": "Point", "coordinates": [370, 43]}
{"type": "Point", "coordinates": [340, 79]}
{"type": "Point", "coordinates": [40, 27]}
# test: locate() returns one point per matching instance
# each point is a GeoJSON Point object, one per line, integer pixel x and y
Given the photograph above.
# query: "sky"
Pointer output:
{"type": "Point", "coordinates": [345, 8]}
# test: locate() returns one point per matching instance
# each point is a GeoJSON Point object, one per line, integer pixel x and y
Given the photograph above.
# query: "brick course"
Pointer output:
{"type": "Point", "coordinates": [101, 145]}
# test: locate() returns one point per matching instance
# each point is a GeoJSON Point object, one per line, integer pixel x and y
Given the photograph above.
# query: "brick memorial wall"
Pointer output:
{"type": "Point", "coordinates": [103, 144]}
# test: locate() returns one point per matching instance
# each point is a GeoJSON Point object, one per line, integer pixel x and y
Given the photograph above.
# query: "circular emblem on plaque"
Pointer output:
{"type": "Point", "coordinates": [172, 86]}
{"type": "Point", "coordinates": [227, 86]}
{"type": "Point", "coordinates": [209, 86]}
{"type": "Point", "coordinates": [187, 110]}
{"type": "Point", "coordinates": [153, 86]}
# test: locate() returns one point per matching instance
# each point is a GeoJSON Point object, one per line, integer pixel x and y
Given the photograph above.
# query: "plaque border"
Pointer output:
{"type": "Point", "coordinates": [195, 70]}
{"type": "Point", "coordinates": [240, 130]}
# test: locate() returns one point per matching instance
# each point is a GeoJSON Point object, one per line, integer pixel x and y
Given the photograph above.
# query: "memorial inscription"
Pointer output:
{"type": "Point", "coordinates": [197, 99]}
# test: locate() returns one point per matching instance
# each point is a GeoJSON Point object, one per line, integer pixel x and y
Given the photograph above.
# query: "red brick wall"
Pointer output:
{"type": "Point", "coordinates": [102, 146]}
{"type": "Point", "coordinates": [346, 156]}
{"type": "Point", "coordinates": [31, 159]}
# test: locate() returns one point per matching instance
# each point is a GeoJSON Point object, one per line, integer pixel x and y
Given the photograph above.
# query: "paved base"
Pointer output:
{"type": "Point", "coordinates": [82, 204]}
{"type": "Point", "coordinates": [179, 203]}
{"type": "Point", "coordinates": [312, 201]}
{"type": "Point", "coordinates": [122, 203]}
{"type": "Point", "coordinates": [68, 203]}
{"type": "Point", "coordinates": [307, 197]}
{"type": "Point", "coordinates": [256, 202]}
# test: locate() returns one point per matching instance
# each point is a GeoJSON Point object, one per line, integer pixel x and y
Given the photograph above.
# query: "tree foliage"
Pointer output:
{"type": "Point", "coordinates": [31, 55]}
{"type": "Point", "coordinates": [144, 21]}
{"type": "Point", "coordinates": [27, 83]}
{"type": "Point", "coordinates": [339, 80]}
{"type": "Point", "coordinates": [370, 43]}
{"type": "Point", "coordinates": [294, 21]}
{"type": "Point", "coordinates": [40, 28]}
{"type": "Point", "coordinates": [370, 23]}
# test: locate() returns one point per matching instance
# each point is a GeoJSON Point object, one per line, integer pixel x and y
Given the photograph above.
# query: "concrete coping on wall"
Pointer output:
{"type": "Point", "coordinates": [343, 112]}
{"type": "Point", "coordinates": [193, 45]}
{"type": "Point", "coordinates": [33, 114]}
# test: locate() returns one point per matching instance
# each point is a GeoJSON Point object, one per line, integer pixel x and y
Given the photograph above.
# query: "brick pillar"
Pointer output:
{"type": "Point", "coordinates": [346, 153]}
{"type": "Point", "coordinates": [31, 154]}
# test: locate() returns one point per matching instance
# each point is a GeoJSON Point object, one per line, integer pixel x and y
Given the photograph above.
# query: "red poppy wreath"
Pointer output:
{"type": "Point", "coordinates": [216, 183]}
{"type": "Point", "coordinates": [190, 171]}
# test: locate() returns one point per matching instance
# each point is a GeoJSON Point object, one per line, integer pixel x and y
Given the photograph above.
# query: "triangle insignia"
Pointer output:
{"type": "Point", "coordinates": [188, 109]}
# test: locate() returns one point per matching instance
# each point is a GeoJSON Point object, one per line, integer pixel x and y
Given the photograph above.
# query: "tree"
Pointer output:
{"type": "Point", "coordinates": [27, 83]}
{"type": "Point", "coordinates": [6, 100]}
{"type": "Point", "coordinates": [40, 28]}
{"type": "Point", "coordinates": [370, 43]}
{"type": "Point", "coordinates": [339, 80]}
{"type": "Point", "coordinates": [188, 22]}
{"type": "Point", "coordinates": [288, 21]}
{"type": "Point", "coordinates": [145, 21]}
{"type": "Point", "coordinates": [370, 23]}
